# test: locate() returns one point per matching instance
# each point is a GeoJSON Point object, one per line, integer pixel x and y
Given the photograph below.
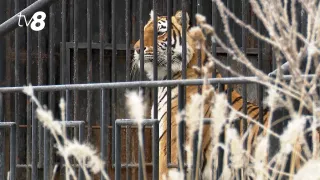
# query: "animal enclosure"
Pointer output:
{"type": "Point", "coordinates": [84, 55]}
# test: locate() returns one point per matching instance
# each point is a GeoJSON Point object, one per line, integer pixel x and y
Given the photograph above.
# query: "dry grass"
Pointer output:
{"type": "Point", "coordinates": [84, 154]}
{"type": "Point", "coordinates": [282, 35]}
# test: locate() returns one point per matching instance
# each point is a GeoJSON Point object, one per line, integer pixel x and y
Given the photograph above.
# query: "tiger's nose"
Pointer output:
{"type": "Point", "coordinates": [138, 49]}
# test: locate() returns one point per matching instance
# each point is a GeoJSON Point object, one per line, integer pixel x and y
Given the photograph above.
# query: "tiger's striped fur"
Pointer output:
{"type": "Point", "coordinates": [237, 101]}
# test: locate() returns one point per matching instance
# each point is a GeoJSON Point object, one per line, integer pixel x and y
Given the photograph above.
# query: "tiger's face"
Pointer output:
{"type": "Point", "coordinates": [176, 46]}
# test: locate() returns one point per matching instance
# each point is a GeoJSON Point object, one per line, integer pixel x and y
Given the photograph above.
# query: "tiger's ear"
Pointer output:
{"type": "Point", "coordinates": [151, 14]}
{"type": "Point", "coordinates": [178, 16]}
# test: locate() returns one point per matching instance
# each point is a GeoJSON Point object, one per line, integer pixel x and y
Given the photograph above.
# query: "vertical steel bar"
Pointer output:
{"type": "Point", "coordinates": [89, 66]}
{"type": "Point", "coordinates": [169, 54]}
{"type": "Point", "coordinates": [184, 40]}
{"type": "Point", "coordinates": [63, 44]}
{"type": "Point", "coordinates": [195, 154]}
{"type": "Point", "coordinates": [2, 143]}
{"type": "Point", "coordinates": [13, 150]}
{"type": "Point", "coordinates": [128, 152]}
{"type": "Point", "coordinates": [229, 90]}
{"type": "Point", "coordinates": [141, 40]}
{"type": "Point", "coordinates": [260, 66]}
{"type": "Point", "coordinates": [181, 89]}
{"type": "Point", "coordinates": [214, 54]}
{"type": "Point", "coordinates": [128, 60]}
{"type": "Point", "coordinates": [117, 152]}
{"type": "Point", "coordinates": [46, 162]}
{"type": "Point", "coordinates": [47, 157]}
{"type": "Point", "coordinates": [196, 133]}
{"type": "Point", "coordinates": [155, 58]}
{"type": "Point", "coordinates": [75, 78]}
{"type": "Point", "coordinates": [243, 123]}
{"type": "Point", "coordinates": [2, 76]}
{"type": "Point", "coordinates": [140, 173]}
{"type": "Point", "coordinates": [71, 19]}
{"type": "Point", "coordinates": [103, 130]}
{"type": "Point", "coordinates": [193, 9]}
{"type": "Point", "coordinates": [244, 69]}
{"type": "Point", "coordinates": [3, 11]}
{"type": "Point", "coordinates": [52, 80]}
{"type": "Point", "coordinates": [199, 10]}
{"type": "Point", "coordinates": [299, 15]}
{"type": "Point", "coordinates": [107, 21]}
{"type": "Point", "coordinates": [67, 81]}
{"type": "Point", "coordinates": [155, 151]}
{"type": "Point", "coordinates": [76, 59]}
{"type": "Point", "coordinates": [81, 140]}
{"type": "Point", "coordinates": [220, 152]}
{"type": "Point", "coordinates": [175, 5]}
{"type": "Point", "coordinates": [113, 63]}
{"type": "Point", "coordinates": [67, 69]}
{"type": "Point", "coordinates": [199, 6]}
{"type": "Point", "coordinates": [155, 160]}
{"type": "Point", "coordinates": [40, 96]}
{"type": "Point", "coordinates": [81, 132]}
{"type": "Point", "coordinates": [274, 63]}
{"type": "Point", "coordinates": [34, 143]}
{"type": "Point", "coordinates": [112, 94]}
{"type": "Point", "coordinates": [17, 78]}
{"type": "Point", "coordinates": [229, 87]}
{"type": "Point", "coordinates": [128, 39]}
{"type": "Point", "coordinates": [181, 126]}
{"type": "Point", "coordinates": [214, 24]}
{"type": "Point", "coordinates": [303, 21]}
{"type": "Point", "coordinates": [63, 58]}
{"type": "Point", "coordinates": [108, 111]}
{"type": "Point", "coordinates": [29, 110]}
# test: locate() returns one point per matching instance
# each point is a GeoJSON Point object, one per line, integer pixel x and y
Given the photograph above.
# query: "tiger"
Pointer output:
{"type": "Point", "coordinates": [191, 60]}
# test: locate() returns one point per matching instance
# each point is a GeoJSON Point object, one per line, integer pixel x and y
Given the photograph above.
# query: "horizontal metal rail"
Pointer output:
{"type": "Point", "coordinates": [159, 83]}
{"type": "Point", "coordinates": [69, 123]}
{"type": "Point", "coordinates": [12, 23]}
{"type": "Point", "coordinates": [122, 47]}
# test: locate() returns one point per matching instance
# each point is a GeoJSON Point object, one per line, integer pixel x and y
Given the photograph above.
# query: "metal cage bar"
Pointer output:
{"type": "Point", "coordinates": [141, 37]}
{"type": "Point", "coordinates": [89, 65]}
{"type": "Point", "coordinates": [155, 151]}
{"type": "Point", "coordinates": [34, 143]}
{"type": "Point", "coordinates": [169, 77]}
{"type": "Point", "coordinates": [3, 142]}
{"type": "Point", "coordinates": [17, 43]}
{"type": "Point", "coordinates": [104, 130]}
{"type": "Point", "coordinates": [13, 146]}
{"type": "Point", "coordinates": [29, 105]}
{"type": "Point", "coordinates": [129, 122]}
{"type": "Point", "coordinates": [260, 66]}
{"type": "Point", "coordinates": [39, 142]}
{"type": "Point", "coordinates": [181, 88]}
{"type": "Point", "coordinates": [47, 138]}
{"type": "Point", "coordinates": [63, 60]}
{"type": "Point", "coordinates": [113, 66]}
{"type": "Point", "coordinates": [244, 68]}
{"type": "Point", "coordinates": [76, 58]}
{"type": "Point", "coordinates": [159, 83]}
{"type": "Point", "coordinates": [128, 70]}
{"type": "Point", "coordinates": [40, 80]}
